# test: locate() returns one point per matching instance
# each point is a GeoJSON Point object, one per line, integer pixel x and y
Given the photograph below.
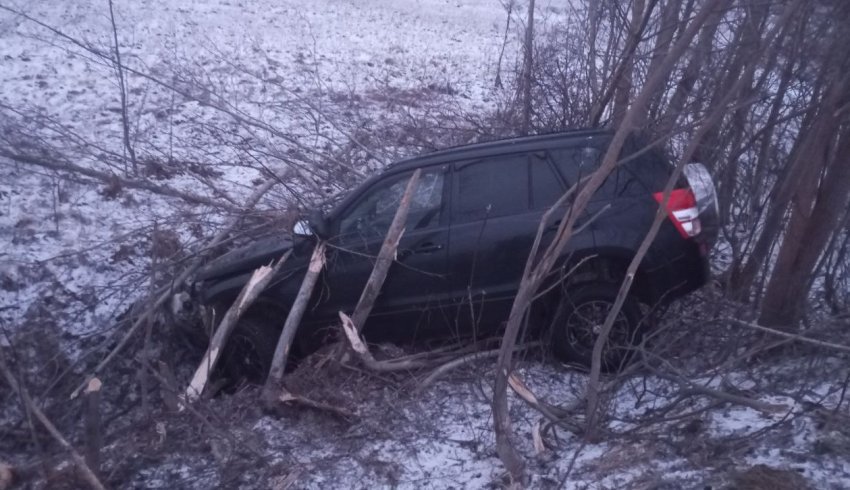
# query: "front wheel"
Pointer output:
{"type": "Point", "coordinates": [249, 351]}
{"type": "Point", "coordinates": [578, 321]}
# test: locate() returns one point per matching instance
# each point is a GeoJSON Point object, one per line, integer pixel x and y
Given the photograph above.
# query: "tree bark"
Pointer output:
{"type": "Point", "coordinates": [274, 384]}
{"type": "Point", "coordinates": [621, 80]}
{"type": "Point", "coordinates": [249, 293]}
{"type": "Point", "coordinates": [807, 161]}
{"type": "Point", "coordinates": [528, 70]}
{"type": "Point", "coordinates": [808, 233]}
{"type": "Point", "coordinates": [386, 256]}
{"type": "Point", "coordinates": [624, 83]}
{"type": "Point", "coordinates": [86, 472]}
{"type": "Point", "coordinates": [691, 71]}
{"type": "Point", "coordinates": [93, 429]}
{"type": "Point", "coordinates": [536, 270]}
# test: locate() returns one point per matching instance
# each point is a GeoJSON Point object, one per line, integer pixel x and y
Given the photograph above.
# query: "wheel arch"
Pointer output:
{"type": "Point", "coordinates": [609, 265]}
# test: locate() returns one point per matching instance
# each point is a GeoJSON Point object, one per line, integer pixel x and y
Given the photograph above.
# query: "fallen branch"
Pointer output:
{"type": "Point", "coordinates": [791, 336]}
{"type": "Point", "coordinates": [286, 397]}
{"type": "Point", "coordinates": [110, 178]}
{"type": "Point", "coordinates": [165, 292]}
{"type": "Point", "coordinates": [167, 385]}
{"type": "Point", "coordinates": [362, 350]}
{"type": "Point", "coordinates": [274, 383]}
{"type": "Point", "coordinates": [85, 471]}
{"type": "Point", "coordinates": [460, 361]}
{"type": "Point", "coordinates": [768, 408]}
{"type": "Point", "coordinates": [256, 284]}
{"type": "Point", "coordinates": [555, 414]}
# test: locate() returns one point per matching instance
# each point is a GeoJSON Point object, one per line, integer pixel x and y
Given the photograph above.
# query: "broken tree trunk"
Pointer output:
{"type": "Point", "coordinates": [252, 289]}
{"type": "Point", "coordinates": [385, 257]}
{"type": "Point", "coordinates": [93, 425]}
{"type": "Point", "coordinates": [272, 388]}
{"type": "Point", "coordinates": [362, 350]}
{"type": "Point", "coordinates": [31, 406]}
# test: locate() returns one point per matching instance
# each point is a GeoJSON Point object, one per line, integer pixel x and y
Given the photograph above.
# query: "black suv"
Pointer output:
{"type": "Point", "coordinates": [470, 228]}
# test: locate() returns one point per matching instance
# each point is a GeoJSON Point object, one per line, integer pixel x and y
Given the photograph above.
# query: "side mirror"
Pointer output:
{"type": "Point", "coordinates": [318, 223]}
{"type": "Point", "coordinates": [302, 228]}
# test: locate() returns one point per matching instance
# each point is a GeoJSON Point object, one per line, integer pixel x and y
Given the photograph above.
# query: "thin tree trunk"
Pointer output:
{"type": "Point", "coordinates": [253, 288]}
{"type": "Point", "coordinates": [510, 9]}
{"type": "Point", "coordinates": [617, 85]}
{"type": "Point", "coordinates": [122, 88]}
{"type": "Point", "coordinates": [624, 82]}
{"type": "Point", "coordinates": [30, 406]}
{"type": "Point", "coordinates": [528, 70]}
{"type": "Point", "coordinates": [807, 235]}
{"type": "Point", "coordinates": [667, 29]}
{"type": "Point", "coordinates": [536, 271]}
{"type": "Point", "coordinates": [274, 384]}
{"type": "Point", "coordinates": [810, 141]}
{"type": "Point", "coordinates": [93, 425]}
{"type": "Point", "coordinates": [686, 82]}
{"type": "Point", "coordinates": [386, 256]}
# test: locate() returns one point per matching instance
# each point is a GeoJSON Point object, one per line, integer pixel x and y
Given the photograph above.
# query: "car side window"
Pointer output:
{"type": "Point", "coordinates": [490, 188]}
{"type": "Point", "coordinates": [579, 162]}
{"type": "Point", "coordinates": [372, 215]}
{"type": "Point", "coordinates": [546, 187]}
{"type": "Point", "coordinates": [576, 163]}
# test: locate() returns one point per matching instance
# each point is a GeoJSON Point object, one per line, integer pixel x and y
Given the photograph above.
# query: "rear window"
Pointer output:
{"type": "Point", "coordinates": [632, 179]}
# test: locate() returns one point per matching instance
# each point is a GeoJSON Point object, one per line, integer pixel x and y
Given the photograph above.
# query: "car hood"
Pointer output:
{"type": "Point", "coordinates": [246, 259]}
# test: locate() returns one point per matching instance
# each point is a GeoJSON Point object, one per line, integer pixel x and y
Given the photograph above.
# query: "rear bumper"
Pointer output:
{"type": "Point", "coordinates": [686, 273]}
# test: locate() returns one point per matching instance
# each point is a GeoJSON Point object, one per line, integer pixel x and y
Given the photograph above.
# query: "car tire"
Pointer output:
{"type": "Point", "coordinates": [579, 316]}
{"type": "Point", "coordinates": [248, 354]}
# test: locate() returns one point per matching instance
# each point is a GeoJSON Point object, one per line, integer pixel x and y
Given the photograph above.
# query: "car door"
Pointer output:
{"type": "Point", "coordinates": [416, 282]}
{"type": "Point", "coordinates": [493, 227]}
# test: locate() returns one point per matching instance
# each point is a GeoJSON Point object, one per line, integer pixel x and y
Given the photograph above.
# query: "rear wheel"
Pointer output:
{"type": "Point", "coordinates": [579, 319]}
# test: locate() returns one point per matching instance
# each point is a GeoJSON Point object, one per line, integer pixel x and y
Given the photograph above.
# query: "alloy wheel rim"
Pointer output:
{"type": "Point", "coordinates": [586, 321]}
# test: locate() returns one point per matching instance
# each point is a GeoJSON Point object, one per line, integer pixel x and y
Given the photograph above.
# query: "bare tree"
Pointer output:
{"type": "Point", "coordinates": [527, 70]}
{"type": "Point", "coordinates": [122, 90]}
{"type": "Point", "coordinates": [537, 269]}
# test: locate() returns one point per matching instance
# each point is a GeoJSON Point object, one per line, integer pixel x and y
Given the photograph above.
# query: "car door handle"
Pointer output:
{"type": "Point", "coordinates": [427, 248]}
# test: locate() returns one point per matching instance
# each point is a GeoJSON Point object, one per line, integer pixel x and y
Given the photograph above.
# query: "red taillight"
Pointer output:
{"type": "Point", "coordinates": [682, 210]}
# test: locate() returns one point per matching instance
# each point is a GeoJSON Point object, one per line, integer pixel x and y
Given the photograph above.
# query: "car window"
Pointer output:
{"type": "Point", "coordinates": [576, 162]}
{"type": "Point", "coordinates": [374, 212]}
{"type": "Point", "coordinates": [546, 187]}
{"type": "Point", "coordinates": [489, 188]}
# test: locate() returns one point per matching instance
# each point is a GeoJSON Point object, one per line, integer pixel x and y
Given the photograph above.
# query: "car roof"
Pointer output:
{"type": "Point", "coordinates": [477, 150]}
{"type": "Point", "coordinates": [507, 145]}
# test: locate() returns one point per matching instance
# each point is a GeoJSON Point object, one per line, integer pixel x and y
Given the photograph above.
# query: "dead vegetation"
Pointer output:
{"type": "Point", "coordinates": [755, 110]}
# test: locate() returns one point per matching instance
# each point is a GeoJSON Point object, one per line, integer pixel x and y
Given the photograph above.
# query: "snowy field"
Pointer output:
{"type": "Point", "coordinates": [281, 48]}
{"type": "Point", "coordinates": [74, 254]}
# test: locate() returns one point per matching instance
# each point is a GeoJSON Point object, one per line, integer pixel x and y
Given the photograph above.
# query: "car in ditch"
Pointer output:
{"type": "Point", "coordinates": [471, 224]}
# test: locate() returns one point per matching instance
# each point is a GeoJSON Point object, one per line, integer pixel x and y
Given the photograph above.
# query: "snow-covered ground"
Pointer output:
{"type": "Point", "coordinates": [254, 53]}
{"type": "Point", "coordinates": [74, 253]}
